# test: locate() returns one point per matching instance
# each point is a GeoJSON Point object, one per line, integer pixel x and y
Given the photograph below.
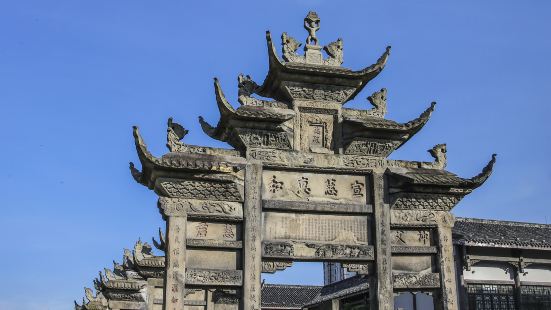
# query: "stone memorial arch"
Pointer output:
{"type": "Point", "coordinates": [307, 180]}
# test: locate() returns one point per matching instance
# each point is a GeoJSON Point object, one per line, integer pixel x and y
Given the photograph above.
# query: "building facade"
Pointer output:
{"type": "Point", "coordinates": [306, 179]}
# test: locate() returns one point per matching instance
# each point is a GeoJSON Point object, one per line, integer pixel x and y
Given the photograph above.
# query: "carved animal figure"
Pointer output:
{"type": "Point", "coordinates": [438, 152]}
{"type": "Point", "coordinates": [289, 48]}
{"type": "Point", "coordinates": [174, 134]}
{"type": "Point", "coordinates": [334, 50]}
{"type": "Point", "coordinates": [246, 86]}
{"type": "Point", "coordinates": [378, 100]}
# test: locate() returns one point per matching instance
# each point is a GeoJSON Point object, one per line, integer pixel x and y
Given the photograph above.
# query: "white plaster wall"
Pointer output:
{"type": "Point", "coordinates": [490, 271]}
{"type": "Point", "coordinates": [536, 274]}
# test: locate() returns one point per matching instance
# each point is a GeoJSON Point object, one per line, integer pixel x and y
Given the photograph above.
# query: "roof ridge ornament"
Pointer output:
{"type": "Point", "coordinates": [174, 135]}
{"type": "Point", "coordinates": [438, 152]}
{"type": "Point", "coordinates": [161, 245]}
{"type": "Point", "coordinates": [312, 49]}
{"type": "Point", "coordinates": [312, 24]}
{"type": "Point", "coordinates": [378, 101]}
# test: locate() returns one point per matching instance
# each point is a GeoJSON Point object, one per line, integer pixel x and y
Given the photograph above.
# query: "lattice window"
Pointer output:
{"type": "Point", "coordinates": [535, 297]}
{"type": "Point", "coordinates": [491, 297]}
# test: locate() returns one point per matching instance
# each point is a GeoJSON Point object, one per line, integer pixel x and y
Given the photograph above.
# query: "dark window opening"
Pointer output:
{"type": "Point", "coordinates": [535, 297]}
{"type": "Point", "coordinates": [491, 297]}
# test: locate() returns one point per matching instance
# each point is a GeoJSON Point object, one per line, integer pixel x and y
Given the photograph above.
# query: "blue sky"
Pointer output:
{"type": "Point", "coordinates": [76, 75]}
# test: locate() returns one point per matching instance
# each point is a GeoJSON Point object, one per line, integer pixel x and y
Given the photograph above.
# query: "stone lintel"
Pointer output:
{"type": "Point", "coordinates": [214, 277]}
{"type": "Point", "coordinates": [405, 249]}
{"type": "Point", "coordinates": [324, 207]}
{"type": "Point", "coordinates": [221, 187]}
{"type": "Point", "coordinates": [416, 280]}
{"type": "Point", "coordinates": [201, 209]}
{"type": "Point", "coordinates": [312, 251]}
{"type": "Point", "coordinates": [214, 243]}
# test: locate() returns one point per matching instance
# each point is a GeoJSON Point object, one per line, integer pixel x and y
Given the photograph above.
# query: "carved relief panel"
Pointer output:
{"type": "Point", "coordinates": [317, 130]}
{"type": "Point", "coordinates": [316, 227]}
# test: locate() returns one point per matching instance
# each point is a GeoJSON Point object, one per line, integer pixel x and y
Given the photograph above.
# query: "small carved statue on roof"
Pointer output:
{"type": "Point", "coordinates": [438, 152]}
{"type": "Point", "coordinates": [334, 50]}
{"type": "Point", "coordinates": [246, 87]}
{"type": "Point", "coordinates": [312, 24]}
{"type": "Point", "coordinates": [175, 133]}
{"type": "Point", "coordinates": [289, 48]}
{"type": "Point", "coordinates": [378, 100]}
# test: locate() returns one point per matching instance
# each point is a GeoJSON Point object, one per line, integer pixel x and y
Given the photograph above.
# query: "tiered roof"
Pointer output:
{"type": "Point", "coordinates": [126, 281]}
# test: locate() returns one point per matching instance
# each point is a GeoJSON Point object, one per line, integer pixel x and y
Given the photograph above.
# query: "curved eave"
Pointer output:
{"type": "Point", "coordinates": [406, 129]}
{"type": "Point", "coordinates": [247, 113]}
{"type": "Point", "coordinates": [226, 112]}
{"type": "Point", "coordinates": [417, 124]}
{"type": "Point", "coordinates": [480, 178]}
{"type": "Point", "coordinates": [264, 114]}
{"type": "Point", "coordinates": [150, 262]}
{"type": "Point", "coordinates": [146, 158]}
{"type": "Point", "coordinates": [339, 75]}
{"type": "Point", "coordinates": [184, 161]}
{"type": "Point", "coordinates": [426, 181]}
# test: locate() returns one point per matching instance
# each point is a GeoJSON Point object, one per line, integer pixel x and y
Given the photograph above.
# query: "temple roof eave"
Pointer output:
{"type": "Point", "coordinates": [422, 179]}
{"type": "Point", "coordinates": [407, 130]}
{"type": "Point", "coordinates": [229, 115]}
{"type": "Point", "coordinates": [315, 73]}
{"type": "Point", "coordinates": [179, 162]}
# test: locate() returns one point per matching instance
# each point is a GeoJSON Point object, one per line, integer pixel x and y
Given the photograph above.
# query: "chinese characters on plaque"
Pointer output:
{"type": "Point", "coordinates": [285, 185]}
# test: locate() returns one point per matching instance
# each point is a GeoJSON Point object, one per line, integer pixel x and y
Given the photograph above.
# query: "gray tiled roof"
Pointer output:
{"type": "Point", "coordinates": [479, 232]}
{"type": "Point", "coordinates": [345, 287]}
{"type": "Point", "coordinates": [288, 296]}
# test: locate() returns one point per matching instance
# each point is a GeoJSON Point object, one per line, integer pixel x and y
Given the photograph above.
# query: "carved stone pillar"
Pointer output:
{"type": "Point", "coordinates": [175, 256]}
{"type": "Point", "coordinates": [252, 250]}
{"type": "Point", "coordinates": [447, 266]}
{"type": "Point", "coordinates": [381, 291]}
{"type": "Point", "coordinates": [335, 304]}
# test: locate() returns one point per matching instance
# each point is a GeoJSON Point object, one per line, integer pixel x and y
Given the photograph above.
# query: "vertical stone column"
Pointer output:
{"type": "Point", "coordinates": [447, 266]}
{"type": "Point", "coordinates": [252, 247]}
{"type": "Point", "coordinates": [335, 304]}
{"type": "Point", "coordinates": [175, 254]}
{"type": "Point", "coordinates": [381, 289]}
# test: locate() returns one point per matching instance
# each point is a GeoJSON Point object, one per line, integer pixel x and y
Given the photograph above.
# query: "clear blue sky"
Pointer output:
{"type": "Point", "coordinates": [76, 75]}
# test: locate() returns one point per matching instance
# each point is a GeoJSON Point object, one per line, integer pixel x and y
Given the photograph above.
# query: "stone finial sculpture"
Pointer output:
{"type": "Point", "coordinates": [175, 133]}
{"type": "Point", "coordinates": [334, 50]}
{"type": "Point", "coordinates": [378, 100]}
{"type": "Point", "coordinates": [312, 24]}
{"type": "Point", "coordinates": [438, 152]}
{"type": "Point", "coordinates": [312, 50]}
{"type": "Point", "coordinates": [289, 47]}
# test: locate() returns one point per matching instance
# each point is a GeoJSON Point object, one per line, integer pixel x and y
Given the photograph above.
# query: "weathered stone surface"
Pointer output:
{"type": "Point", "coordinates": [201, 209]}
{"type": "Point", "coordinates": [278, 185]}
{"type": "Point", "coordinates": [316, 227]}
{"type": "Point", "coordinates": [413, 281]}
{"type": "Point", "coordinates": [214, 277]}
{"type": "Point", "coordinates": [301, 250]}
{"type": "Point", "coordinates": [307, 180]}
